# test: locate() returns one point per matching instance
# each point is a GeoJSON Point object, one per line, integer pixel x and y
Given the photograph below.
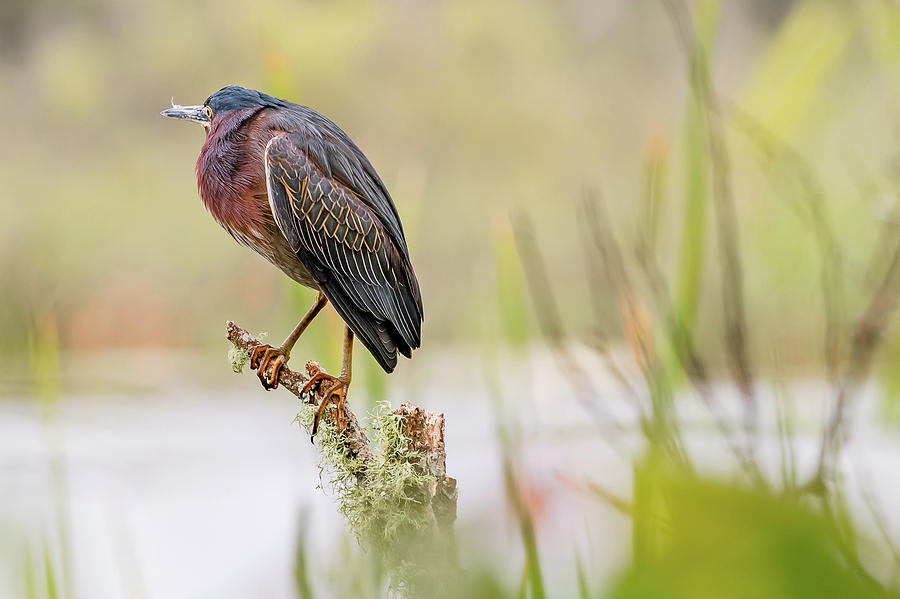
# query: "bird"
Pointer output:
{"type": "Point", "coordinates": [287, 182]}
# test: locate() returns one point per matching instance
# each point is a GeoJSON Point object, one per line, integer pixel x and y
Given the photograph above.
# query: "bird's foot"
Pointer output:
{"type": "Point", "coordinates": [327, 388]}
{"type": "Point", "coordinates": [267, 361]}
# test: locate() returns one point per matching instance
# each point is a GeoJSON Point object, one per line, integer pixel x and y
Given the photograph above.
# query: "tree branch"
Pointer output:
{"type": "Point", "coordinates": [395, 492]}
{"type": "Point", "coordinates": [354, 437]}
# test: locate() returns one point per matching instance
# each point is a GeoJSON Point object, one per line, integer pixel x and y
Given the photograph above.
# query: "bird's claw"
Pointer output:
{"type": "Point", "coordinates": [313, 370]}
{"type": "Point", "coordinates": [336, 391]}
{"type": "Point", "coordinates": [256, 355]}
{"type": "Point", "coordinates": [267, 361]}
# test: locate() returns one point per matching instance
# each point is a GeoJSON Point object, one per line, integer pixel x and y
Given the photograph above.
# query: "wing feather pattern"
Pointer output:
{"type": "Point", "coordinates": [329, 214]}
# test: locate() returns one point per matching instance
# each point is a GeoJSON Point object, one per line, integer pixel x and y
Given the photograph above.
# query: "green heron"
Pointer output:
{"type": "Point", "coordinates": [290, 184]}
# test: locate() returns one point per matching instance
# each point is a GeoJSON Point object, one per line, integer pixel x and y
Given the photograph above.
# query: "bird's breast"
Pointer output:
{"type": "Point", "coordinates": [231, 179]}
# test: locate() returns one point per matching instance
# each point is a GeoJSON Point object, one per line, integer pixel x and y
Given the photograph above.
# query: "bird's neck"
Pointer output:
{"type": "Point", "coordinates": [227, 169]}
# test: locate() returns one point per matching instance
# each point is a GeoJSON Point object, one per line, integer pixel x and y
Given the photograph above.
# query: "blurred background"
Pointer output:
{"type": "Point", "coordinates": [133, 463]}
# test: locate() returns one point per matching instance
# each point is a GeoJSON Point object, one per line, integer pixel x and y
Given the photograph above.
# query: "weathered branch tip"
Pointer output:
{"type": "Point", "coordinates": [423, 430]}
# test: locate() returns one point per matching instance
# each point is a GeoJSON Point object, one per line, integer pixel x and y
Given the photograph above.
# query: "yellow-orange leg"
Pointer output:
{"type": "Point", "coordinates": [335, 387]}
{"type": "Point", "coordinates": [268, 360]}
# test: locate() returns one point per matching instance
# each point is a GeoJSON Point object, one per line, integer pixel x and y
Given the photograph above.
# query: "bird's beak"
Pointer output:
{"type": "Point", "coordinates": [190, 113]}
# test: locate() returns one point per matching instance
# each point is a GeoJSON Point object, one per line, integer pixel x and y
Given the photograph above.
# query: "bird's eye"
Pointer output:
{"type": "Point", "coordinates": [208, 112]}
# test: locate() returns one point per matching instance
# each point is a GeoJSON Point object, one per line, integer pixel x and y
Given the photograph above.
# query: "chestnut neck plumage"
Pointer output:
{"type": "Point", "coordinates": [227, 175]}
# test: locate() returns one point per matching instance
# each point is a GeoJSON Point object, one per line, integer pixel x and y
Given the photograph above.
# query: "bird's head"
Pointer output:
{"type": "Point", "coordinates": [232, 97]}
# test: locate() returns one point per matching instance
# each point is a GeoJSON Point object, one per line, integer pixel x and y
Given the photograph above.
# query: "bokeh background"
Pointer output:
{"type": "Point", "coordinates": [134, 464]}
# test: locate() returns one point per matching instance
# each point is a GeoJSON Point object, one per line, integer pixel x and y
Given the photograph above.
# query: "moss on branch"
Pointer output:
{"type": "Point", "coordinates": [392, 490]}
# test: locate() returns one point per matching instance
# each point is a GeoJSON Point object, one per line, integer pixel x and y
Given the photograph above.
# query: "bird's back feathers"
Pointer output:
{"type": "Point", "coordinates": [344, 228]}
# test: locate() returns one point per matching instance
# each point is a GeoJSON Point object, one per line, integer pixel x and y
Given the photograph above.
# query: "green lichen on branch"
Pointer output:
{"type": "Point", "coordinates": [390, 502]}
{"type": "Point", "coordinates": [393, 489]}
{"type": "Point", "coordinates": [238, 357]}
{"type": "Point", "coordinates": [386, 499]}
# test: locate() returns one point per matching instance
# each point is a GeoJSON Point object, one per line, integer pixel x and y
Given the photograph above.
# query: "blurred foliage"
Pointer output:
{"type": "Point", "coordinates": [693, 234]}
{"type": "Point", "coordinates": [511, 304]}
{"type": "Point", "coordinates": [798, 62]}
{"type": "Point", "coordinates": [723, 541]}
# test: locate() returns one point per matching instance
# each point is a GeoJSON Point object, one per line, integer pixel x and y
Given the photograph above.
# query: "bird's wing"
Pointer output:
{"type": "Point", "coordinates": [333, 150]}
{"type": "Point", "coordinates": [343, 243]}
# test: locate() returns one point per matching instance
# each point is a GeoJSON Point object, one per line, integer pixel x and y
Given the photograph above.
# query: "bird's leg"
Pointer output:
{"type": "Point", "coordinates": [335, 388]}
{"type": "Point", "coordinates": [268, 360]}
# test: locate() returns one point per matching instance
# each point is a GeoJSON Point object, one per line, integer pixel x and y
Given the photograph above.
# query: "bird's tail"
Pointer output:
{"type": "Point", "coordinates": [379, 336]}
